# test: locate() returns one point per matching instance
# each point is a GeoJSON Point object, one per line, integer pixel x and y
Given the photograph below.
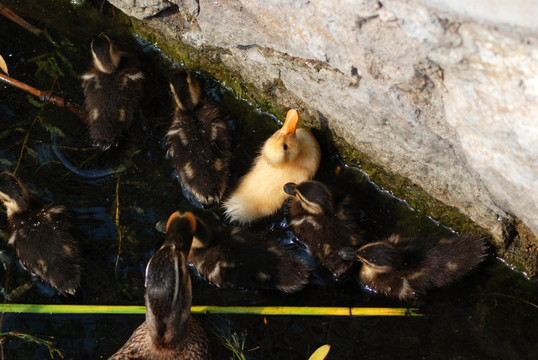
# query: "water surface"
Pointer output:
{"type": "Point", "coordinates": [117, 196]}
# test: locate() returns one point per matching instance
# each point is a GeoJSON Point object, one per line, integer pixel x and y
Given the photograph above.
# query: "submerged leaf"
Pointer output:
{"type": "Point", "coordinates": [3, 65]}
{"type": "Point", "coordinates": [32, 153]}
{"type": "Point", "coordinates": [5, 259]}
{"type": "Point", "coordinates": [47, 63]}
{"type": "Point", "coordinates": [8, 132]}
{"type": "Point", "coordinates": [16, 293]}
{"type": "Point", "coordinates": [53, 130]}
{"type": "Point", "coordinates": [320, 353]}
{"type": "Point", "coordinates": [50, 39]}
{"type": "Point", "coordinates": [39, 58]}
{"type": "Point", "coordinates": [35, 102]}
{"type": "Point", "coordinates": [37, 340]}
{"type": "Point", "coordinates": [67, 64]}
{"type": "Point", "coordinates": [6, 164]}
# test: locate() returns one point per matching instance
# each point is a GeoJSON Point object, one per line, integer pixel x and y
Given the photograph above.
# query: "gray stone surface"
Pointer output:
{"type": "Point", "coordinates": [440, 95]}
{"type": "Point", "coordinates": [140, 8]}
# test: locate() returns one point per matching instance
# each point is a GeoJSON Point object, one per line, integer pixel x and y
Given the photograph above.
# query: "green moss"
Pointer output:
{"type": "Point", "coordinates": [522, 253]}
{"type": "Point", "coordinates": [207, 60]}
{"type": "Point", "coordinates": [403, 188]}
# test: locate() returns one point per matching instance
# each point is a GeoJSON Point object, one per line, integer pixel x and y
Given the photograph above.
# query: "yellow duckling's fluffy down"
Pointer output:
{"type": "Point", "coordinates": [289, 155]}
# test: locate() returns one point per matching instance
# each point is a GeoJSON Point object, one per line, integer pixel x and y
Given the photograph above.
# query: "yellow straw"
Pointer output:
{"type": "Point", "coordinates": [208, 309]}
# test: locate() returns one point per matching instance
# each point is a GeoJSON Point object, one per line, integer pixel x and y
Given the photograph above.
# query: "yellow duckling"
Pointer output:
{"type": "Point", "coordinates": [169, 331]}
{"type": "Point", "coordinates": [112, 90]}
{"type": "Point", "coordinates": [198, 141]}
{"type": "Point", "coordinates": [405, 267]}
{"type": "Point", "coordinates": [324, 224]}
{"type": "Point", "coordinates": [237, 257]}
{"type": "Point", "coordinates": [289, 155]}
{"type": "Point", "coordinates": [41, 235]}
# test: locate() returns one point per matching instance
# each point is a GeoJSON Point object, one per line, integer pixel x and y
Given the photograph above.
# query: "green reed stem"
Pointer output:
{"type": "Point", "coordinates": [209, 309]}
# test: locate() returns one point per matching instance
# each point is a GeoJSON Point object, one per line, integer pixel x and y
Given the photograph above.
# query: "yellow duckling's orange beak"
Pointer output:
{"type": "Point", "coordinates": [290, 125]}
{"type": "Point", "coordinates": [176, 215]}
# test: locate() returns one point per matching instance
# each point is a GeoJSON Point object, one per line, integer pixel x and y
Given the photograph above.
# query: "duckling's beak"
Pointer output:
{"type": "Point", "coordinates": [188, 215]}
{"type": "Point", "coordinates": [290, 124]}
{"type": "Point", "coordinates": [192, 220]}
{"type": "Point", "coordinates": [289, 188]}
{"type": "Point", "coordinates": [175, 215]}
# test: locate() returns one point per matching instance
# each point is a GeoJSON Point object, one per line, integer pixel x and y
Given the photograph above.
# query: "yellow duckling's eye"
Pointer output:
{"type": "Point", "coordinates": [285, 147]}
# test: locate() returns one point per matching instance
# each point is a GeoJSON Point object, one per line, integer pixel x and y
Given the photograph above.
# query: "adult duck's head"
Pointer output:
{"type": "Point", "coordinates": [180, 230]}
{"type": "Point", "coordinates": [168, 283]}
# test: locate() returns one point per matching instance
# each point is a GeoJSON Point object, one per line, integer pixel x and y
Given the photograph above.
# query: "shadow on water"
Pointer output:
{"type": "Point", "coordinates": [117, 197]}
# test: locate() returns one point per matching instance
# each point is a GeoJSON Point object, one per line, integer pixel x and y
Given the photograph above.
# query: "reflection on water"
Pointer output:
{"type": "Point", "coordinates": [119, 195]}
{"type": "Point", "coordinates": [84, 174]}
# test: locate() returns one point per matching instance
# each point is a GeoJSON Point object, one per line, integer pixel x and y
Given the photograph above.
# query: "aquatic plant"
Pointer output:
{"type": "Point", "coordinates": [31, 338]}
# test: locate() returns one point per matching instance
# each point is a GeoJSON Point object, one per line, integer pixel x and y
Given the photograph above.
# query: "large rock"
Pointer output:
{"type": "Point", "coordinates": [446, 96]}
{"type": "Point", "coordinates": [140, 9]}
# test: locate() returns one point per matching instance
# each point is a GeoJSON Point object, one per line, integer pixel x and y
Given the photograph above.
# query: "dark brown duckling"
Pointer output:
{"type": "Point", "coordinates": [324, 224]}
{"type": "Point", "coordinates": [198, 140]}
{"type": "Point", "coordinates": [237, 257]}
{"type": "Point", "coordinates": [42, 236]}
{"type": "Point", "coordinates": [112, 90]}
{"type": "Point", "coordinates": [406, 267]}
{"type": "Point", "coordinates": [169, 331]}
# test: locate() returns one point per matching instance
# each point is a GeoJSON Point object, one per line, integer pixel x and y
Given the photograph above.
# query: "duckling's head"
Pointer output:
{"type": "Point", "coordinates": [185, 91]}
{"type": "Point", "coordinates": [168, 285]}
{"type": "Point", "coordinates": [12, 193]}
{"type": "Point", "coordinates": [180, 230]}
{"type": "Point", "coordinates": [314, 197]}
{"type": "Point", "coordinates": [283, 146]}
{"type": "Point", "coordinates": [106, 56]}
{"type": "Point", "coordinates": [379, 257]}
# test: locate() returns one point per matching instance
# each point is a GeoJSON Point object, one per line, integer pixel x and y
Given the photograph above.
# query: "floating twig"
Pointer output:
{"type": "Point", "coordinates": [513, 298]}
{"type": "Point", "coordinates": [46, 96]}
{"type": "Point", "coordinates": [14, 17]}
{"type": "Point", "coordinates": [24, 143]}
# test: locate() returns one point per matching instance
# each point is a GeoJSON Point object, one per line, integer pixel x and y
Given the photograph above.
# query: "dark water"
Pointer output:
{"type": "Point", "coordinates": [117, 197]}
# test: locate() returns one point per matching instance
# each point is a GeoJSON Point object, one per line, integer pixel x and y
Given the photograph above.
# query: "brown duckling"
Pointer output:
{"type": "Point", "coordinates": [169, 331]}
{"type": "Point", "coordinates": [112, 90]}
{"type": "Point", "coordinates": [42, 236]}
{"type": "Point", "coordinates": [289, 155]}
{"type": "Point", "coordinates": [237, 257]}
{"type": "Point", "coordinates": [198, 141]}
{"type": "Point", "coordinates": [405, 267]}
{"type": "Point", "coordinates": [324, 224]}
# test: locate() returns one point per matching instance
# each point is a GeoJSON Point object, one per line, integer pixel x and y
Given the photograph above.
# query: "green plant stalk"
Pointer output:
{"type": "Point", "coordinates": [209, 309]}
{"type": "Point", "coordinates": [31, 338]}
{"type": "Point", "coordinates": [235, 345]}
